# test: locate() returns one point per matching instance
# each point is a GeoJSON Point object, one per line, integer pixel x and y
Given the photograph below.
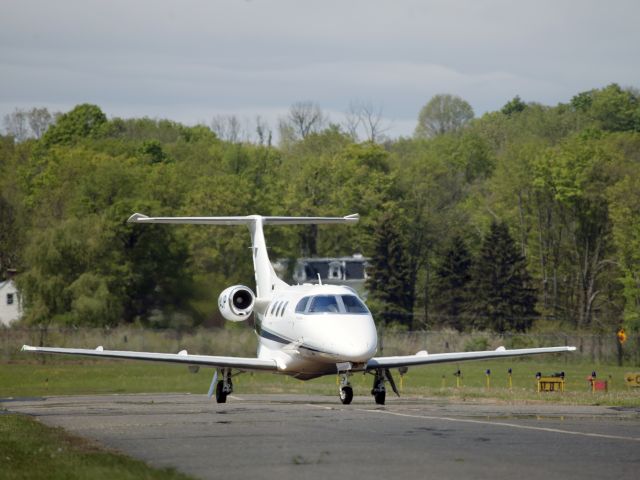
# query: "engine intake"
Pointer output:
{"type": "Point", "coordinates": [236, 303]}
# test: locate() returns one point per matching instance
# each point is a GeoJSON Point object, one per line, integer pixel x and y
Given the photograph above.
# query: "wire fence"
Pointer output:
{"type": "Point", "coordinates": [593, 348]}
{"type": "Point", "coordinates": [241, 341]}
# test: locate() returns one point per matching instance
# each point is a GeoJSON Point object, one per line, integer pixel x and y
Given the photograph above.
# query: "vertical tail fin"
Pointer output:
{"type": "Point", "coordinates": [267, 281]}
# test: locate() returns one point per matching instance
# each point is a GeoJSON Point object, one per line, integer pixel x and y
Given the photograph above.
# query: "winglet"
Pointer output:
{"type": "Point", "coordinates": [136, 217]}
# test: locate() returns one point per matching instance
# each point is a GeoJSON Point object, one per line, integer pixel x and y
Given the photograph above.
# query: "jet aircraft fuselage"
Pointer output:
{"type": "Point", "coordinates": [308, 329]}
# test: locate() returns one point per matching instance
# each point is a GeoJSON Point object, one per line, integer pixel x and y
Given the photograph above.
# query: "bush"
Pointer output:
{"type": "Point", "coordinates": [476, 344]}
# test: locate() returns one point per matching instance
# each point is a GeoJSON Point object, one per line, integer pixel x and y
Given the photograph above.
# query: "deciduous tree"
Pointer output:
{"type": "Point", "coordinates": [444, 113]}
{"type": "Point", "coordinates": [83, 121]}
{"type": "Point", "coordinates": [303, 119]}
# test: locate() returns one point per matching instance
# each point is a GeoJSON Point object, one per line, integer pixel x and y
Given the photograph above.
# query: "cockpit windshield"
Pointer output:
{"type": "Point", "coordinates": [323, 304]}
{"type": "Point", "coordinates": [341, 304]}
{"type": "Point", "coordinates": [352, 304]}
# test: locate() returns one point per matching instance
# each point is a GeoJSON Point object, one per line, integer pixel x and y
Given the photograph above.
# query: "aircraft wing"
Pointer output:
{"type": "Point", "coordinates": [424, 358]}
{"type": "Point", "coordinates": [183, 357]}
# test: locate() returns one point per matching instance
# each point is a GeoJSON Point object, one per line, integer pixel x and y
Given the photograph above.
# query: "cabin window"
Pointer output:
{"type": "Point", "coordinates": [352, 304]}
{"type": "Point", "coordinates": [302, 305]}
{"type": "Point", "coordinates": [324, 304]}
{"type": "Point", "coordinates": [9, 298]}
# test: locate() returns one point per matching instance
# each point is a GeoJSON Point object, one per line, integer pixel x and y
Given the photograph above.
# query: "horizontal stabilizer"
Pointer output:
{"type": "Point", "coordinates": [246, 220]}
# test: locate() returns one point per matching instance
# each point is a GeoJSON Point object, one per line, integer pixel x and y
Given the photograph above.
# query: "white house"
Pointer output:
{"type": "Point", "coordinates": [349, 271]}
{"type": "Point", "coordinates": [10, 307]}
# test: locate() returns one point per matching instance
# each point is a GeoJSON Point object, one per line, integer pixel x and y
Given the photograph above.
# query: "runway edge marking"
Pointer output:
{"type": "Point", "coordinates": [504, 424]}
{"type": "Point", "coordinates": [322, 407]}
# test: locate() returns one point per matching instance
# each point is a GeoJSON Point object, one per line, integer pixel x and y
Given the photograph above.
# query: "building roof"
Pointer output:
{"type": "Point", "coordinates": [8, 283]}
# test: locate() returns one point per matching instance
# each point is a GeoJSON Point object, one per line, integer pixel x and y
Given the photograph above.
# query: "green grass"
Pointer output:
{"type": "Point", "coordinates": [30, 450]}
{"type": "Point", "coordinates": [63, 377]}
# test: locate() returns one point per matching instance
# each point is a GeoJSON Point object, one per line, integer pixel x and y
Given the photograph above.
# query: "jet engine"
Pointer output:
{"type": "Point", "coordinates": [236, 303]}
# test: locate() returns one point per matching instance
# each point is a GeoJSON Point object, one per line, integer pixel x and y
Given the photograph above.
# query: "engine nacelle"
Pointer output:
{"type": "Point", "coordinates": [236, 303]}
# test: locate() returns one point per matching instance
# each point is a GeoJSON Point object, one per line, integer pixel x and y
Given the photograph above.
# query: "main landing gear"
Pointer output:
{"type": "Point", "coordinates": [223, 387]}
{"type": "Point", "coordinates": [379, 391]}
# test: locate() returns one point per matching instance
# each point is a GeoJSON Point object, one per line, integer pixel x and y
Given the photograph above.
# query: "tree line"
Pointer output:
{"type": "Point", "coordinates": [526, 217]}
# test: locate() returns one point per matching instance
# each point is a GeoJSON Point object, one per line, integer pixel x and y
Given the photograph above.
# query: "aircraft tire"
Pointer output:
{"type": "Point", "coordinates": [380, 397]}
{"type": "Point", "coordinates": [346, 395]}
{"type": "Point", "coordinates": [221, 395]}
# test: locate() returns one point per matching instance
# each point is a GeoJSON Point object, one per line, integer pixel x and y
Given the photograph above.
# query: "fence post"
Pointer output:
{"type": "Point", "coordinates": [619, 347]}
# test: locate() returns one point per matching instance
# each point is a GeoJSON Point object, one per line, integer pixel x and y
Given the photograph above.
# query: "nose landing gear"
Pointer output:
{"type": "Point", "coordinates": [346, 392]}
{"type": "Point", "coordinates": [346, 395]}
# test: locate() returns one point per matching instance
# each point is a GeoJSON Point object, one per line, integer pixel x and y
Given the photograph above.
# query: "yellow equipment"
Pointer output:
{"type": "Point", "coordinates": [632, 379]}
{"type": "Point", "coordinates": [553, 383]}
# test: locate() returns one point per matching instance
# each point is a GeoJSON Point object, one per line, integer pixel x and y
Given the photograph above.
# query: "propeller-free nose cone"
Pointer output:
{"type": "Point", "coordinates": [357, 351]}
{"type": "Point", "coordinates": [361, 352]}
{"type": "Point", "coordinates": [347, 338]}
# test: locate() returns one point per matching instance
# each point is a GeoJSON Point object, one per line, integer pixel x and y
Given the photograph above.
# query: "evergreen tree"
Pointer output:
{"type": "Point", "coordinates": [392, 274]}
{"type": "Point", "coordinates": [452, 281]}
{"type": "Point", "coordinates": [502, 297]}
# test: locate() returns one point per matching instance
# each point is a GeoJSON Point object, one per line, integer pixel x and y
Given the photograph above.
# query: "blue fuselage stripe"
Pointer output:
{"type": "Point", "coordinates": [272, 336]}
{"type": "Point", "coordinates": [266, 334]}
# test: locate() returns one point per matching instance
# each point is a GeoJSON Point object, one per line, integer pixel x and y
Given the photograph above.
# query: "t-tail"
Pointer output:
{"type": "Point", "coordinates": [267, 282]}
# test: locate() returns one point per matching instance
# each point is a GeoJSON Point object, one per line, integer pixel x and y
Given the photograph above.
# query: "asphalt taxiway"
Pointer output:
{"type": "Point", "coordinates": [313, 437]}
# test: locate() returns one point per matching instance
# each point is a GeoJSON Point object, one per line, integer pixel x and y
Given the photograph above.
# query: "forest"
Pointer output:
{"type": "Point", "coordinates": [522, 219]}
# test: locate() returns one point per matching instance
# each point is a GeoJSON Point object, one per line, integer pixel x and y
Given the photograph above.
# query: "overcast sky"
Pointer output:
{"type": "Point", "coordinates": [190, 60]}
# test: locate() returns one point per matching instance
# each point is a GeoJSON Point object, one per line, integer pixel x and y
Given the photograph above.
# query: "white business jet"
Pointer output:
{"type": "Point", "coordinates": [304, 331]}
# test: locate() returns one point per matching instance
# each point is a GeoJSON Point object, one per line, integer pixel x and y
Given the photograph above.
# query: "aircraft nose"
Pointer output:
{"type": "Point", "coordinates": [361, 351]}
{"type": "Point", "coordinates": [351, 339]}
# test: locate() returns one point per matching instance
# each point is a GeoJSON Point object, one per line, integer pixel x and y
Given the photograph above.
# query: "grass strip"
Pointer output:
{"type": "Point", "coordinates": [113, 376]}
{"type": "Point", "coordinates": [30, 450]}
